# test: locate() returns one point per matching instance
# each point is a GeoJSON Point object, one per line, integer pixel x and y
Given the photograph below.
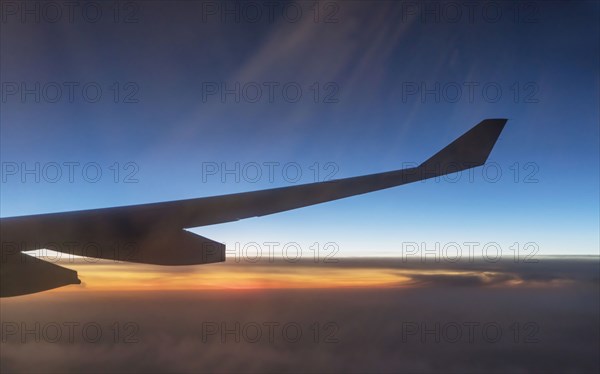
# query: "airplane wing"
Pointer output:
{"type": "Point", "coordinates": [154, 233]}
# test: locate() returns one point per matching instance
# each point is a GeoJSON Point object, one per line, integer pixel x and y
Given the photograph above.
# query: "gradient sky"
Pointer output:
{"type": "Point", "coordinates": [373, 53]}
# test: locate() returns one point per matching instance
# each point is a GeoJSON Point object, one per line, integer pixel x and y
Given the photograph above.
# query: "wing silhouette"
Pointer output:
{"type": "Point", "coordinates": [155, 233]}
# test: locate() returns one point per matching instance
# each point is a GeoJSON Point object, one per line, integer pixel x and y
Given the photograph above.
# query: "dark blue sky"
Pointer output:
{"type": "Point", "coordinates": [396, 81]}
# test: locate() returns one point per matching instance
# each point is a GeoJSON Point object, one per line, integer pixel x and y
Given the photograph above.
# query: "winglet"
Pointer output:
{"type": "Point", "coordinates": [470, 150]}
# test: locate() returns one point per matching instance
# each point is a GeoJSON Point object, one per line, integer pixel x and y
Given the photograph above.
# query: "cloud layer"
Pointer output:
{"type": "Point", "coordinates": [502, 317]}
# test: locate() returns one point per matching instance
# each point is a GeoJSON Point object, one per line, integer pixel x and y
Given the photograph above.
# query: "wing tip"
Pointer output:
{"type": "Point", "coordinates": [469, 150]}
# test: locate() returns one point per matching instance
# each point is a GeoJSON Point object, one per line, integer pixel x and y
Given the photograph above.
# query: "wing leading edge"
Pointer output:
{"type": "Point", "coordinates": [154, 233]}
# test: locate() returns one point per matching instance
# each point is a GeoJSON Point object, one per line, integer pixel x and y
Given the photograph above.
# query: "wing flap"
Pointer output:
{"type": "Point", "coordinates": [158, 244]}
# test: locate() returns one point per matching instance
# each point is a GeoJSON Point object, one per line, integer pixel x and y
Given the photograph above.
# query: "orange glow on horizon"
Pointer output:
{"type": "Point", "coordinates": [110, 276]}
{"type": "Point", "coordinates": [221, 276]}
